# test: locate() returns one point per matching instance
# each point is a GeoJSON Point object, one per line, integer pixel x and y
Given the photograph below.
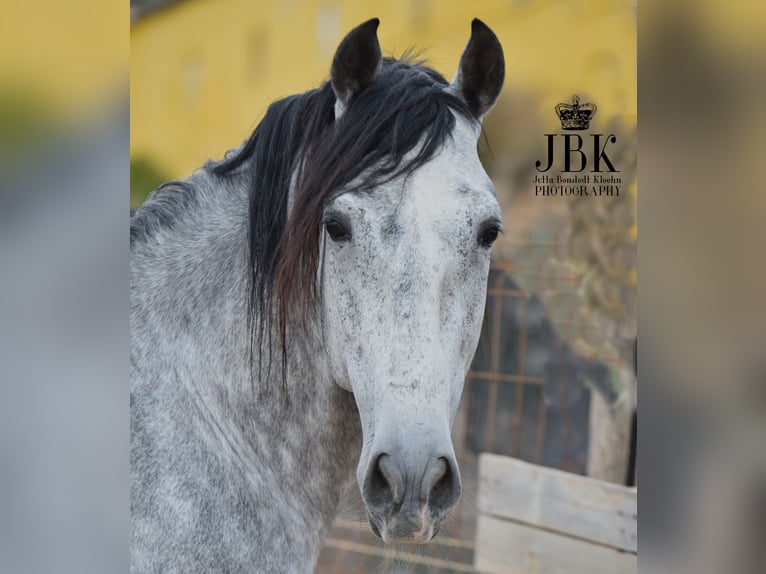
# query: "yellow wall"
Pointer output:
{"type": "Point", "coordinates": [71, 55]}
{"type": "Point", "coordinates": [204, 71]}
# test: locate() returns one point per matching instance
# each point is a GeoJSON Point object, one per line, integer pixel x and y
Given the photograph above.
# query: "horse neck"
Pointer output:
{"type": "Point", "coordinates": [270, 431]}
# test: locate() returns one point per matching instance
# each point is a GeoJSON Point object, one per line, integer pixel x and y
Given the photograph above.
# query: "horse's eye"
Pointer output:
{"type": "Point", "coordinates": [487, 236]}
{"type": "Point", "coordinates": [335, 230]}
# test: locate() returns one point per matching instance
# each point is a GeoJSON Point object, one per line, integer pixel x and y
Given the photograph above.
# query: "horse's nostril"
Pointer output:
{"type": "Point", "coordinates": [391, 488]}
{"type": "Point", "coordinates": [442, 469]}
{"type": "Point", "coordinates": [446, 486]}
{"type": "Point", "coordinates": [383, 485]}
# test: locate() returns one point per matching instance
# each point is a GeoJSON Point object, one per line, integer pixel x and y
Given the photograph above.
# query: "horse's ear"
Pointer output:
{"type": "Point", "coordinates": [357, 63]}
{"type": "Point", "coordinates": [482, 70]}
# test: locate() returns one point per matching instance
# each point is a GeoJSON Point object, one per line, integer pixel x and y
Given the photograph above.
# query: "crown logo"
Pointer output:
{"type": "Point", "coordinates": [575, 116]}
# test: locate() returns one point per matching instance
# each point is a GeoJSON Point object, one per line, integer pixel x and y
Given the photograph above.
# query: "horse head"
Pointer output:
{"type": "Point", "coordinates": [402, 278]}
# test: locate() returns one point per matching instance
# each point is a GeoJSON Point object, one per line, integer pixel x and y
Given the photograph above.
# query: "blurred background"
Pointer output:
{"type": "Point", "coordinates": [554, 380]}
{"type": "Point", "coordinates": [702, 86]}
{"type": "Point", "coordinates": [64, 187]}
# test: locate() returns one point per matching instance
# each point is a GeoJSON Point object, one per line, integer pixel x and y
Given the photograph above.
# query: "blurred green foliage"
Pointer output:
{"type": "Point", "coordinates": [145, 176]}
{"type": "Point", "coordinates": [25, 116]}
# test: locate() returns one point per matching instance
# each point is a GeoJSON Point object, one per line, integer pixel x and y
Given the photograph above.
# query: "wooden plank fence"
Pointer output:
{"type": "Point", "coordinates": [538, 520]}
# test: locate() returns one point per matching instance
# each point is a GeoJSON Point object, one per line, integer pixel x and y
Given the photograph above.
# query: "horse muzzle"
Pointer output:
{"type": "Point", "coordinates": [408, 497]}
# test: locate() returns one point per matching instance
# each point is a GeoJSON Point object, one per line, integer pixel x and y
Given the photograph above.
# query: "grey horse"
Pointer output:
{"type": "Point", "coordinates": [309, 305]}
